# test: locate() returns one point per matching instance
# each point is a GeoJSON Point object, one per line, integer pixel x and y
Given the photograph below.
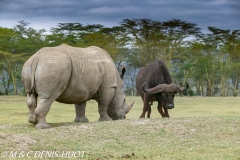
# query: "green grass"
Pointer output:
{"type": "Point", "coordinates": [199, 128]}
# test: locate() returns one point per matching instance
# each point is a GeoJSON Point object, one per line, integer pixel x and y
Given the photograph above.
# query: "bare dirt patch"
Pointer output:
{"type": "Point", "coordinates": [19, 141]}
{"type": "Point", "coordinates": [5, 126]}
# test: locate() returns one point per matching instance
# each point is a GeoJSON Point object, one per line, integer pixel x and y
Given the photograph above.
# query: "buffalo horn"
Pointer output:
{"type": "Point", "coordinates": [181, 90]}
{"type": "Point", "coordinates": [153, 90]}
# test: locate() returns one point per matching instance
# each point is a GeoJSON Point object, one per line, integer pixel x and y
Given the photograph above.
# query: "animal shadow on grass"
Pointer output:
{"type": "Point", "coordinates": [55, 125]}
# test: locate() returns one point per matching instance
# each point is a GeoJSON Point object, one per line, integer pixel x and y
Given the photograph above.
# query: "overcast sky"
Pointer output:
{"type": "Point", "coordinates": [44, 14]}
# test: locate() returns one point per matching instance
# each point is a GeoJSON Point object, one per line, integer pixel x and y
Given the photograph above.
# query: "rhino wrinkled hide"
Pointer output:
{"type": "Point", "coordinates": [73, 75]}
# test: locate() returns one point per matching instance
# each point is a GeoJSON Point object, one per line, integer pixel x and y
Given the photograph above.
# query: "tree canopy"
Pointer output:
{"type": "Point", "coordinates": [208, 61]}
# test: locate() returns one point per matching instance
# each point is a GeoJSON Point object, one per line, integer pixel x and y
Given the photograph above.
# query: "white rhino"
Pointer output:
{"type": "Point", "coordinates": [73, 75]}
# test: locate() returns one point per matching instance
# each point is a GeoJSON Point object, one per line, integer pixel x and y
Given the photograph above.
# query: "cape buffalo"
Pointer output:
{"type": "Point", "coordinates": [73, 75]}
{"type": "Point", "coordinates": [157, 79]}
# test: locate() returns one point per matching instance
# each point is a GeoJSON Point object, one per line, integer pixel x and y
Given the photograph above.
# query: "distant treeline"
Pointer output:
{"type": "Point", "coordinates": [210, 62]}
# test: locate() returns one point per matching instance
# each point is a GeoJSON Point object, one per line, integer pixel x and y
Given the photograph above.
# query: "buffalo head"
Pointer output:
{"type": "Point", "coordinates": [165, 93]}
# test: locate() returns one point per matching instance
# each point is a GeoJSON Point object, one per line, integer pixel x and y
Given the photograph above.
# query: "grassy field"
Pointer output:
{"type": "Point", "coordinates": [199, 128]}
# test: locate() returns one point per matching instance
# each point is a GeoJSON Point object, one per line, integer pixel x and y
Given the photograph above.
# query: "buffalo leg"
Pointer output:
{"type": "Point", "coordinates": [41, 112]}
{"type": "Point", "coordinates": [80, 112]}
{"type": "Point", "coordinates": [160, 110]}
{"type": "Point", "coordinates": [149, 111]}
{"type": "Point", "coordinates": [103, 102]}
{"type": "Point", "coordinates": [32, 105]}
{"type": "Point", "coordinates": [166, 112]}
{"type": "Point", "coordinates": [145, 106]}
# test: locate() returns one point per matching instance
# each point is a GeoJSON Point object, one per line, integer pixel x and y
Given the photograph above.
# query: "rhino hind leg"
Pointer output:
{"type": "Point", "coordinates": [32, 104]}
{"type": "Point", "coordinates": [41, 112]}
{"type": "Point", "coordinates": [80, 112]}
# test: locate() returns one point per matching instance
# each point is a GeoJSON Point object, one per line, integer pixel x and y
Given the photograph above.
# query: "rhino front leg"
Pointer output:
{"type": "Point", "coordinates": [80, 112]}
{"type": "Point", "coordinates": [105, 99]}
{"type": "Point", "coordinates": [32, 104]}
{"type": "Point", "coordinates": [41, 112]}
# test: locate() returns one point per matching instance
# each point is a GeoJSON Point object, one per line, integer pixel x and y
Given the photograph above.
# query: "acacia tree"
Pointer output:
{"type": "Point", "coordinates": [224, 47]}
{"type": "Point", "coordinates": [70, 33]}
{"type": "Point", "coordinates": [158, 40]}
{"type": "Point", "coordinates": [209, 60]}
{"type": "Point", "coordinates": [26, 39]}
{"type": "Point", "coordinates": [144, 34]}
{"type": "Point", "coordinates": [116, 40]}
{"type": "Point", "coordinates": [4, 75]}
{"type": "Point", "coordinates": [203, 63]}
{"type": "Point", "coordinates": [16, 45]}
{"type": "Point", "coordinates": [175, 32]}
{"type": "Point", "coordinates": [113, 40]}
{"type": "Point", "coordinates": [219, 37]}
{"type": "Point", "coordinates": [23, 39]}
{"type": "Point", "coordinates": [191, 64]}
{"type": "Point", "coordinates": [232, 47]}
{"type": "Point", "coordinates": [11, 65]}
{"type": "Point", "coordinates": [5, 39]}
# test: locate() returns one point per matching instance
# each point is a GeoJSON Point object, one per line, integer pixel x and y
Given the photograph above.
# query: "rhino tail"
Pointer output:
{"type": "Point", "coordinates": [33, 71]}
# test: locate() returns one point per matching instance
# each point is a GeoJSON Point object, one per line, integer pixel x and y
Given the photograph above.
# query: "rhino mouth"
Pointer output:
{"type": "Point", "coordinates": [114, 118]}
{"type": "Point", "coordinates": [118, 118]}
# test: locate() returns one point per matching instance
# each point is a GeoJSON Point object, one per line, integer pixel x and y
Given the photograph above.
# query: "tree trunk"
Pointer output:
{"type": "Point", "coordinates": [6, 84]}
{"type": "Point", "coordinates": [209, 88]}
{"type": "Point", "coordinates": [201, 92]}
{"type": "Point", "coordinates": [14, 82]}
{"type": "Point", "coordinates": [235, 91]}
{"type": "Point", "coordinates": [132, 80]}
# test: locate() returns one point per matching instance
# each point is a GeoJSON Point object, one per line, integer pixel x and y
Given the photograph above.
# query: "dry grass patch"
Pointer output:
{"type": "Point", "coordinates": [199, 128]}
{"type": "Point", "coordinates": [175, 138]}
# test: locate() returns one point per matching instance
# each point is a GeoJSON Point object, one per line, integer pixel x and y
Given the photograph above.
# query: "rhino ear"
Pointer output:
{"type": "Point", "coordinates": [123, 72]}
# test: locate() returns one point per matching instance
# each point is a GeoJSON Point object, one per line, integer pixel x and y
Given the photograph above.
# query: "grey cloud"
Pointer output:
{"type": "Point", "coordinates": [218, 13]}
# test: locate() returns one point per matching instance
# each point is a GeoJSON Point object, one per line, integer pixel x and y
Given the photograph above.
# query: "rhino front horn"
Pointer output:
{"type": "Point", "coordinates": [129, 107]}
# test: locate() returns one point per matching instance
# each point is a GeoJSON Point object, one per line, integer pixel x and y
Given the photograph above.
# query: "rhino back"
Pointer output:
{"type": "Point", "coordinates": [92, 69]}
{"type": "Point", "coordinates": [72, 74]}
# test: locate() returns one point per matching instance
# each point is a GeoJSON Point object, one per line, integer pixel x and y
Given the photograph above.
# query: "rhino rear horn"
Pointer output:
{"type": "Point", "coordinates": [181, 90]}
